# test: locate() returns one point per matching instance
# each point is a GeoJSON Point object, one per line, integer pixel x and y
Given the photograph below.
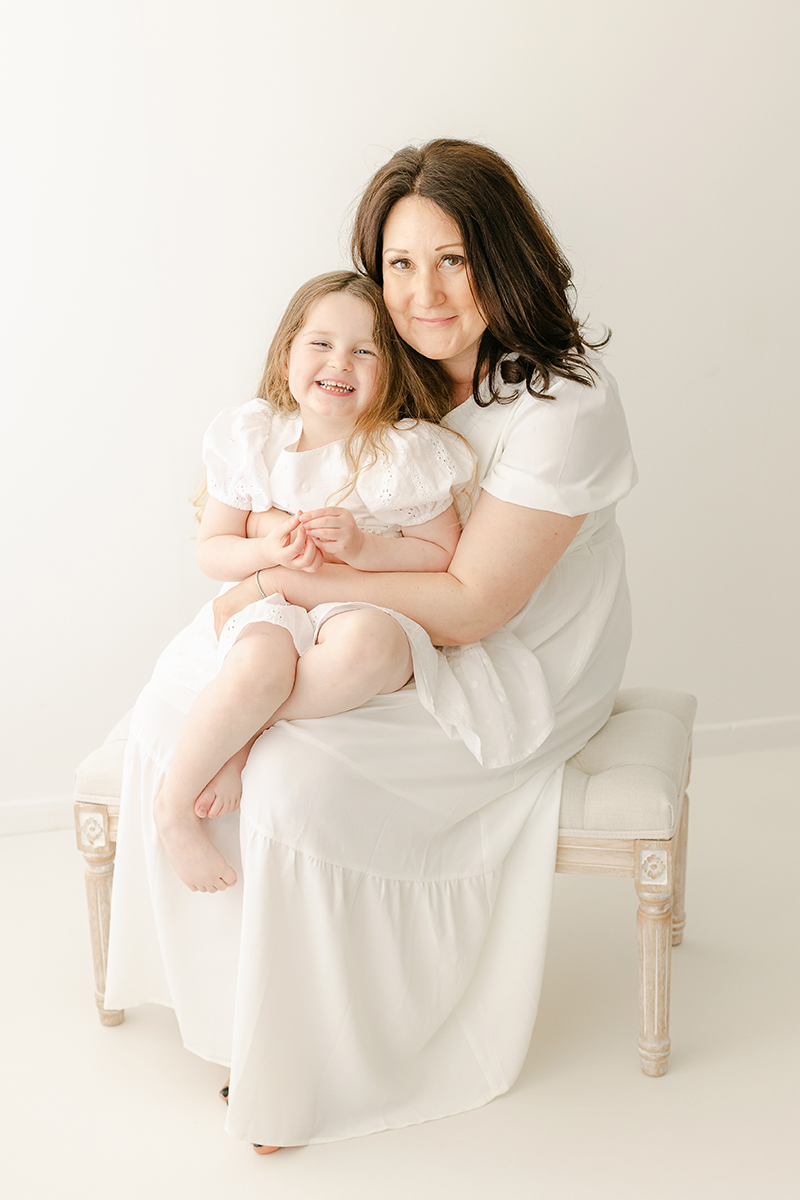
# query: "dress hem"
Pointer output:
{"type": "Point", "coordinates": [318, 1141]}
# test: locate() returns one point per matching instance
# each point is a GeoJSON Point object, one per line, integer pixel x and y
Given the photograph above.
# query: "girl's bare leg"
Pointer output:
{"type": "Point", "coordinates": [255, 678]}
{"type": "Point", "coordinates": [358, 655]}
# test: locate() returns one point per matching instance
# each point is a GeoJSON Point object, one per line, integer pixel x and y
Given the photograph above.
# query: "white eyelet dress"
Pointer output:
{"type": "Point", "coordinates": [492, 696]}
{"type": "Point", "coordinates": [379, 961]}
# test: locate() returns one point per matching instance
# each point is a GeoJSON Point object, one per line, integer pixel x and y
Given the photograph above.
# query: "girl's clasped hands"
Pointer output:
{"type": "Point", "coordinates": [304, 541]}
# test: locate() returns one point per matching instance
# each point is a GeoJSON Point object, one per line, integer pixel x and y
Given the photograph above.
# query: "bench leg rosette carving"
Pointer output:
{"type": "Point", "coordinates": [92, 828]}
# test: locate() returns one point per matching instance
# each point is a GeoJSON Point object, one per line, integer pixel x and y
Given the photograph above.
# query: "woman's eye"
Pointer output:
{"type": "Point", "coordinates": [453, 260]}
{"type": "Point", "coordinates": [400, 264]}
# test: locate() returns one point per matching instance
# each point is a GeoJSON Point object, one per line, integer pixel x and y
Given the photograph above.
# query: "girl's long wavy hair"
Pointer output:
{"type": "Point", "coordinates": [400, 391]}
{"type": "Point", "coordinates": [521, 281]}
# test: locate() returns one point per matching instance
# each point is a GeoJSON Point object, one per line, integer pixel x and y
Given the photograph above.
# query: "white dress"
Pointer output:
{"type": "Point", "coordinates": [379, 962]}
{"type": "Point", "coordinates": [491, 695]}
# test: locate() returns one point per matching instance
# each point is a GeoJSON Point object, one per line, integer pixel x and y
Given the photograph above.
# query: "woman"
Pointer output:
{"type": "Point", "coordinates": [380, 963]}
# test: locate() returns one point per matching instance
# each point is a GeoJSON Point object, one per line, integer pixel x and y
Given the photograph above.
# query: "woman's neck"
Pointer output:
{"type": "Point", "coordinates": [460, 392]}
{"type": "Point", "coordinates": [461, 376]}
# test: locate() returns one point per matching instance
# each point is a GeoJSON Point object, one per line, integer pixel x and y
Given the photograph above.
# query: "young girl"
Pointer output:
{"type": "Point", "coordinates": [327, 435]}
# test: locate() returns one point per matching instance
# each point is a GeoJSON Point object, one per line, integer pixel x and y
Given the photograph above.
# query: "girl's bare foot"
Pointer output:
{"type": "Point", "coordinates": [196, 860]}
{"type": "Point", "coordinates": [224, 793]}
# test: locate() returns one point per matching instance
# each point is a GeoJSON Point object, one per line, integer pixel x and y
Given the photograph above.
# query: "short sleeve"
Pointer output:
{"type": "Point", "coordinates": [568, 455]}
{"type": "Point", "coordinates": [427, 467]}
{"type": "Point", "coordinates": [233, 451]}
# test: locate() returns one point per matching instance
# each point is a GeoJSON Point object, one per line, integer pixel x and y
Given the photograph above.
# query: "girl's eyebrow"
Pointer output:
{"type": "Point", "coordinates": [448, 246]}
{"type": "Point", "coordinates": [328, 334]}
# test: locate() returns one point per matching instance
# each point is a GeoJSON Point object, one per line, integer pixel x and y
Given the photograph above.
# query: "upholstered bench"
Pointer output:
{"type": "Point", "coordinates": [624, 811]}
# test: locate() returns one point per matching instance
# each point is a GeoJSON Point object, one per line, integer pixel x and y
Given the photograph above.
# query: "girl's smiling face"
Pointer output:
{"type": "Point", "coordinates": [333, 363]}
{"type": "Point", "coordinates": [427, 288]}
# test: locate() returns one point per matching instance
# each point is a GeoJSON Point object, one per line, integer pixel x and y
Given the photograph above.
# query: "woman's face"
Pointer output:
{"type": "Point", "coordinates": [426, 286]}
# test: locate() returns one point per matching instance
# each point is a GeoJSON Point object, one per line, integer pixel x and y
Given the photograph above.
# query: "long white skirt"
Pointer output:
{"type": "Point", "coordinates": [379, 961]}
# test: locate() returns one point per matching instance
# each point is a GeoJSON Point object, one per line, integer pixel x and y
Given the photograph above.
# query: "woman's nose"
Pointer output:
{"type": "Point", "coordinates": [428, 290]}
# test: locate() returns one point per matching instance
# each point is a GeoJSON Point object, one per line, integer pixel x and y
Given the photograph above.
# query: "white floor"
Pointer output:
{"type": "Point", "coordinates": [126, 1112]}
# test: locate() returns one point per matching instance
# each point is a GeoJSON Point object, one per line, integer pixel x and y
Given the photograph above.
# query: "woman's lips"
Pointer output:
{"type": "Point", "coordinates": [434, 322]}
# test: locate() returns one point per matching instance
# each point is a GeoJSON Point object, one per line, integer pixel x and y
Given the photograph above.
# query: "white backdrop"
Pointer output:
{"type": "Point", "coordinates": [180, 166]}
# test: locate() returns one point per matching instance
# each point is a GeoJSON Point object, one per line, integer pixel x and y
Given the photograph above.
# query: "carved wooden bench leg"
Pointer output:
{"type": "Point", "coordinates": [679, 889]}
{"type": "Point", "coordinates": [654, 886]}
{"type": "Point", "coordinates": [94, 842]}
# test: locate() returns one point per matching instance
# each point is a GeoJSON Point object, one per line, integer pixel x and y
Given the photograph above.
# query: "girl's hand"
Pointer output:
{"type": "Point", "coordinates": [335, 532]}
{"type": "Point", "coordinates": [287, 545]}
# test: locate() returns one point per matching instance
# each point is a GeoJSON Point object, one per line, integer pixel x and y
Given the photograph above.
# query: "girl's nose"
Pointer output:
{"type": "Point", "coordinates": [340, 360]}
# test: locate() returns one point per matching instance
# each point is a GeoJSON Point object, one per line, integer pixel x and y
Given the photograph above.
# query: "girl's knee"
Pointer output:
{"type": "Point", "coordinates": [369, 639]}
{"type": "Point", "coordinates": [260, 654]}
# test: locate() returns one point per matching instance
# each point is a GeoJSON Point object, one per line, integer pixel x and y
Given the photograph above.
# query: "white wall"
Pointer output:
{"type": "Point", "coordinates": [181, 165]}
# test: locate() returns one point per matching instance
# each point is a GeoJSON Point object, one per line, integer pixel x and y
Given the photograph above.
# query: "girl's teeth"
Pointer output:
{"type": "Point", "coordinates": [335, 387]}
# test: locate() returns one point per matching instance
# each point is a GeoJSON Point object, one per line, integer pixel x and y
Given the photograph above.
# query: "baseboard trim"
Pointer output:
{"type": "Point", "coordinates": [38, 815]}
{"type": "Point", "coordinates": [737, 737]}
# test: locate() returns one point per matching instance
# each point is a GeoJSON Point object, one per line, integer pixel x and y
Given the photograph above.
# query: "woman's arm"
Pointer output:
{"type": "Point", "coordinates": [225, 552]}
{"type": "Point", "coordinates": [504, 553]}
{"type": "Point", "coordinates": [428, 546]}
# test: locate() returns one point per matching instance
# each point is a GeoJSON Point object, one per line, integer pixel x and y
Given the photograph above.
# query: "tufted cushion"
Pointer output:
{"type": "Point", "coordinates": [626, 781]}
{"type": "Point", "coordinates": [98, 779]}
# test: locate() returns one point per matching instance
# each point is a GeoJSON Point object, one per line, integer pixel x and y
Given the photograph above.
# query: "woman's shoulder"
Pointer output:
{"type": "Point", "coordinates": [568, 452]}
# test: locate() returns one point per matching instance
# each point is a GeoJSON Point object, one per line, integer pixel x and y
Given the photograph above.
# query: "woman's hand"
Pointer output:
{"type": "Point", "coordinates": [505, 552]}
{"type": "Point", "coordinates": [288, 545]}
{"type": "Point", "coordinates": [234, 600]}
{"type": "Point", "coordinates": [335, 532]}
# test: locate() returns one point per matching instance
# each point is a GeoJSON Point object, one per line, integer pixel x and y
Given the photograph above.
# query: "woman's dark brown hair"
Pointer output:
{"type": "Point", "coordinates": [519, 277]}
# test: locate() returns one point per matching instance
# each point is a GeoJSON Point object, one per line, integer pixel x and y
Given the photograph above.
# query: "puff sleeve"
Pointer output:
{"type": "Point", "coordinates": [427, 467]}
{"type": "Point", "coordinates": [568, 455]}
{"type": "Point", "coordinates": [233, 452]}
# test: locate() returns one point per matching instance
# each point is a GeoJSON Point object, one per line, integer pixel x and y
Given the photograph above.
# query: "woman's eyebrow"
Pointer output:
{"type": "Point", "coordinates": [449, 246]}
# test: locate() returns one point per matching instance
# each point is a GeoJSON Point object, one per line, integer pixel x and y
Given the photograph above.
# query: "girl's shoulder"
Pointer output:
{"type": "Point", "coordinates": [251, 423]}
{"type": "Point", "coordinates": [424, 439]}
{"type": "Point", "coordinates": [233, 452]}
{"type": "Point", "coordinates": [416, 474]}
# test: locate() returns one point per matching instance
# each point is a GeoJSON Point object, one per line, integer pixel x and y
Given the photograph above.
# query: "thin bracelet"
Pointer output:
{"type": "Point", "coordinates": [258, 584]}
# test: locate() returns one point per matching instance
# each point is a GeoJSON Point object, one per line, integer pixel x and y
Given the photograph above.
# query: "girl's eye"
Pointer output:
{"type": "Point", "coordinates": [322, 345]}
{"type": "Point", "coordinates": [365, 351]}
